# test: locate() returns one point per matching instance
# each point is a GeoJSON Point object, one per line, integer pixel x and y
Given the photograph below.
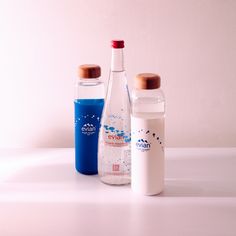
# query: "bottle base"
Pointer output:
{"type": "Point", "coordinates": [147, 193]}
{"type": "Point", "coordinates": [115, 179]}
{"type": "Point", "coordinates": [86, 172]}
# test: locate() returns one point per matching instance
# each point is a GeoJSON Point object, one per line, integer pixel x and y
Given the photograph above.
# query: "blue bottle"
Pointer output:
{"type": "Point", "coordinates": [88, 106]}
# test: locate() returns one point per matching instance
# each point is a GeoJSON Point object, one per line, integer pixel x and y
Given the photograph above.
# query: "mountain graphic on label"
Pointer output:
{"type": "Point", "coordinates": [88, 125]}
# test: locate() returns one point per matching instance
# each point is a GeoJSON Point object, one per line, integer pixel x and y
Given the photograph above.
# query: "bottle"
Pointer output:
{"type": "Point", "coordinates": [147, 129]}
{"type": "Point", "coordinates": [88, 106]}
{"type": "Point", "coordinates": [114, 140]}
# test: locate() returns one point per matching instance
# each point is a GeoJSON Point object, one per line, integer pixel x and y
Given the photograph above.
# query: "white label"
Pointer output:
{"type": "Point", "coordinates": [147, 152]}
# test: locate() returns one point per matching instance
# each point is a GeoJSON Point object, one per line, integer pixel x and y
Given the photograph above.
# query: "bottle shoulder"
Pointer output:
{"type": "Point", "coordinates": [150, 101]}
{"type": "Point", "coordinates": [147, 94]}
{"type": "Point", "coordinates": [89, 88]}
{"type": "Point", "coordinates": [89, 82]}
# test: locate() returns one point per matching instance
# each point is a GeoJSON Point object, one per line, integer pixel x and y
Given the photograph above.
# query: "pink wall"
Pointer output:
{"type": "Point", "coordinates": [190, 43]}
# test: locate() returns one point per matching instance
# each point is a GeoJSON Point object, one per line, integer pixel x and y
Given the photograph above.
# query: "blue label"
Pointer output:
{"type": "Point", "coordinates": [87, 122]}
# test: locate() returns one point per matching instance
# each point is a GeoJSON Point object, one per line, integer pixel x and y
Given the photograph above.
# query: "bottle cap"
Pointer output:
{"type": "Point", "coordinates": [89, 71]}
{"type": "Point", "coordinates": [118, 43]}
{"type": "Point", "coordinates": [147, 81]}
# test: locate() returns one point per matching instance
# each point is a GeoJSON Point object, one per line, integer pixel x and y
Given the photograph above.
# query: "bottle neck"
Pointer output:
{"type": "Point", "coordinates": [117, 59]}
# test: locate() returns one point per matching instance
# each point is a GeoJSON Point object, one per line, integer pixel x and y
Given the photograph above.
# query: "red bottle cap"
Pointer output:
{"type": "Point", "coordinates": [118, 43]}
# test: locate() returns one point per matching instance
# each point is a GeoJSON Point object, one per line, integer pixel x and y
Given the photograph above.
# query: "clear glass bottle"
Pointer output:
{"type": "Point", "coordinates": [114, 140]}
{"type": "Point", "coordinates": [147, 129]}
{"type": "Point", "coordinates": [88, 106]}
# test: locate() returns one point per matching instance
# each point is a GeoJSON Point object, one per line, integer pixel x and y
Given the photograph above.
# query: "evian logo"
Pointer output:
{"type": "Point", "coordinates": [88, 129]}
{"type": "Point", "coordinates": [143, 145]}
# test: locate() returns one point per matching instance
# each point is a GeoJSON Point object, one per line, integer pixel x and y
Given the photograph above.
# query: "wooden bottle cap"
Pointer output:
{"type": "Point", "coordinates": [89, 71]}
{"type": "Point", "coordinates": [147, 81]}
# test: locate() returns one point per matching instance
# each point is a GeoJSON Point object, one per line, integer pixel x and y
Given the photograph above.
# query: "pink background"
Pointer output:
{"type": "Point", "coordinates": [190, 43]}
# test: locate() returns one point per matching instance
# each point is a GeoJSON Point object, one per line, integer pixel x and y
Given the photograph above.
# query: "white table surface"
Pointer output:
{"type": "Point", "coordinates": [42, 194]}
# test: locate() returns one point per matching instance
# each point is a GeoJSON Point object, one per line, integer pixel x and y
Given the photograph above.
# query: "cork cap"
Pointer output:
{"type": "Point", "coordinates": [89, 71]}
{"type": "Point", "coordinates": [147, 81]}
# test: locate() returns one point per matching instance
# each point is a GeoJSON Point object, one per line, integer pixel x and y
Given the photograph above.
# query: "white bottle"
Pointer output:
{"type": "Point", "coordinates": [147, 131]}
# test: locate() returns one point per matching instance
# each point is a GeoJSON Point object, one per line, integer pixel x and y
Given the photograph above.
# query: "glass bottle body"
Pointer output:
{"type": "Point", "coordinates": [115, 137]}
